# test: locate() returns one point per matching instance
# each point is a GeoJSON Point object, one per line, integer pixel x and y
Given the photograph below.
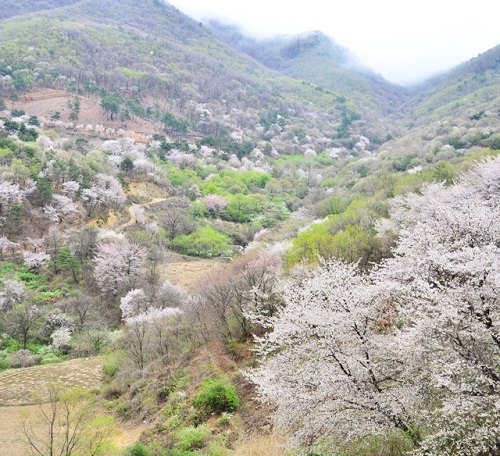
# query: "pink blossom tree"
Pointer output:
{"type": "Point", "coordinates": [214, 204]}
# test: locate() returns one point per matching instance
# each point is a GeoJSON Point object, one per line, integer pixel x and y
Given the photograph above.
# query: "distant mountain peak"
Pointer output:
{"type": "Point", "coordinates": [318, 43]}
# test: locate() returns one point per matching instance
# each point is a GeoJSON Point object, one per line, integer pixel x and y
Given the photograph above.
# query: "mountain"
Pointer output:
{"type": "Point", "coordinates": [471, 86]}
{"type": "Point", "coordinates": [452, 113]}
{"type": "Point", "coordinates": [212, 80]}
{"type": "Point", "coordinates": [10, 8]}
{"type": "Point", "coordinates": [150, 163]}
{"type": "Point", "coordinates": [149, 52]}
{"type": "Point", "coordinates": [317, 58]}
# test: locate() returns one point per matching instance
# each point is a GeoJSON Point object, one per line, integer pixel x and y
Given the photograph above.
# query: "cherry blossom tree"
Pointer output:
{"type": "Point", "coordinates": [147, 324]}
{"type": "Point", "coordinates": [145, 334]}
{"type": "Point", "coordinates": [138, 213]}
{"type": "Point", "coordinates": [34, 260]}
{"type": "Point", "coordinates": [415, 346]}
{"type": "Point", "coordinates": [10, 194]}
{"type": "Point", "coordinates": [61, 207]}
{"type": "Point", "coordinates": [445, 278]}
{"type": "Point", "coordinates": [71, 188]}
{"type": "Point", "coordinates": [331, 370]}
{"type": "Point", "coordinates": [5, 244]}
{"type": "Point", "coordinates": [12, 293]}
{"type": "Point", "coordinates": [61, 337]}
{"type": "Point", "coordinates": [105, 191]}
{"type": "Point", "coordinates": [170, 295]}
{"type": "Point", "coordinates": [117, 264]}
{"type": "Point", "coordinates": [214, 204]}
{"type": "Point", "coordinates": [133, 303]}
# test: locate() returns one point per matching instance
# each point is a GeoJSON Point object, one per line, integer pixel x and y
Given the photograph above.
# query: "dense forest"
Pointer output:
{"type": "Point", "coordinates": [215, 245]}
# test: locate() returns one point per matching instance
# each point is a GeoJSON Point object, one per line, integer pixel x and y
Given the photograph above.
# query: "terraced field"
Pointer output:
{"type": "Point", "coordinates": [18, 385]}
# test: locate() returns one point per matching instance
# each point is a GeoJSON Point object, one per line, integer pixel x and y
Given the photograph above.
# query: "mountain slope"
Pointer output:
{"type": "Point", "coordinates": [316, 58]}
{"type": "Point", "coordinates": [10, 8]}
{"type": "Point", "coordinates": [150, 52]}
{"type": "Point", "coordinates": [474, 85]}
{"type": "Point", "coordinates": [290, 94]}
{"type": "Point", "coordinates": [455, 112]}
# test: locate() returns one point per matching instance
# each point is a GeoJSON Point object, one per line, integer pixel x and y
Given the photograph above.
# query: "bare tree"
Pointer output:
{"type": "Point", "coordinates": [67, 423]}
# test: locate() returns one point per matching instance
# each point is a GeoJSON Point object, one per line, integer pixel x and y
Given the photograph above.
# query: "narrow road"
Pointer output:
{"type": "Point", "coordinates": [133, 220]}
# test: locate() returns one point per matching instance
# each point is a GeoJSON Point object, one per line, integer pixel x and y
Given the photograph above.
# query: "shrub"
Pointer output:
{"type": "Point", "coordinates": [204, 242]}
{"type": "Point", "coordinates": [192, 438]}
{"type": "Point", "coordinates": [112, 364]}
{"type": "Point", "coordinates": [216, 396]}
{"type": "Point", "coordinates": [23, 358]}
{"type": "Point", "coordinates": [137, 449]}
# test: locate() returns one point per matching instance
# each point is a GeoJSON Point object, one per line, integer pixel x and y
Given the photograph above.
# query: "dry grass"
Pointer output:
{"type": "Point", "coordinates": [261, 445]}
{"type": "Point", "coordinates": [44, 102]}
{"type": "Point", "coordinates": [18, 385]}
{"type": "Point", "coordinates": [187, 271]}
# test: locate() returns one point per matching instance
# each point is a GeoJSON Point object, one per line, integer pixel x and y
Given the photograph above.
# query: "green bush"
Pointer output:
{"type": "Point", "coordinates": [112, 365]}
{"type": "Point", "coordinates": [204, 242]}
{"type": "Point", "coordinates": [137, 449]}
{"type": "Point", "coordinates": [192, 438]}
{"type": "Point", "coordinates": [216, 396]}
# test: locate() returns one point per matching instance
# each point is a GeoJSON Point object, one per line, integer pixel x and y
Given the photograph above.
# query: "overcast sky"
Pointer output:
{"type": "Point", "coordinates": [405, 41]}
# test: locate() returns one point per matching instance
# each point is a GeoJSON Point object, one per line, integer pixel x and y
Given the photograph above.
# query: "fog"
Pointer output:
{"type": "Point", "coordinates": [406, 42]}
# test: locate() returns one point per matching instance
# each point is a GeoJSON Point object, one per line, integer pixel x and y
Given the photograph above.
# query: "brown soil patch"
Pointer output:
{"type": "Point", "coordinates": [11, 437]}
{"type": "Point", "coordinates": [187, 271]}
{"type": "Point", "coordinates": [45, 95]}
{"type": "Point", "coordinates": [127, 435]}
{"type": "Point", "coordinates": [215, 357]}
{"type": "Point", "coordinates": [146, 190]}
{"type": "Point", "coordinates": [18, 385]}
{"type": "Point", "coordinates": [44, 103]}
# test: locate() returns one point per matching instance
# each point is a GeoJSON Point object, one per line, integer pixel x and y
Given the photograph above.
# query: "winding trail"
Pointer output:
{"type": "Point", "coordinates": [133, 219]}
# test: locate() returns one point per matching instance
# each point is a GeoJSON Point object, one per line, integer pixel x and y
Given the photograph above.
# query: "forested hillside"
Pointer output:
{"type": "Point", "coordinates": [269, 249]}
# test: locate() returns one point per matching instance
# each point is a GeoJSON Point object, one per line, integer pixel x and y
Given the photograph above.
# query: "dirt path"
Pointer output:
{"type": "Point", "coordinates": [133, 220]}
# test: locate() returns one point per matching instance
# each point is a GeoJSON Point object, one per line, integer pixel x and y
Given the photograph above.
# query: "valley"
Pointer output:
{"type": "Point", "coordinates": [219, 245]}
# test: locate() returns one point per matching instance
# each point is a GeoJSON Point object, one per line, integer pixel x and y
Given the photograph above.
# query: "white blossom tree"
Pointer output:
{"type": "Point", "coordinates": [445, 277]}
{"type": "Point", "coordinates": [170, 295]}
{"type": "Point", "coordinates": [415, 346]}
{"type": "Point", "coordinates": [105, 191]}
{"type": "Point", "coordinates": [10, 194]}
{"type": "Point", "coordinates": [60, 208]}
{"type": "Point", "coordinates": [12, 293]}
{"type": "Point", "coordinates": [34, 260]}
{"type": "Point", "coordinates": [5, 244]}
{"type": "Point", "coordinates": [134, 303]}
{"type": "Point", "coordinates": [333, 370]}
{"type": "Point", "coordinates": [116, 265]}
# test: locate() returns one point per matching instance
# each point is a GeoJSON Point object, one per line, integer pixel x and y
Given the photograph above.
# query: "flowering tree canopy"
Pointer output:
{"type": "Point", "coordinates": [105, 191]}
{"type": "Point", "coordinates": [116, 264]}
{"type": "Point", "coordinates": [415, 346]}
